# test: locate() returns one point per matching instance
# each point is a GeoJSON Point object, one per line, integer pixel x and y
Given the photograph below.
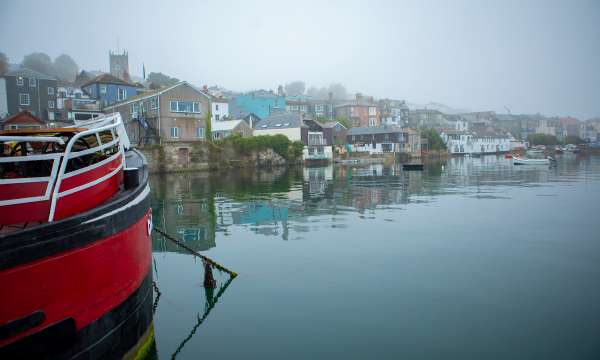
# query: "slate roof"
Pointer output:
{"type": "Point", "coordinates": [28, 73]}
{"type": "Point", "coordinates": [108, 79]}
{"type": "Point", "coordinates": [374, 130]}
{"type": "Point", "coordinates": [227, 125]}
{"type": "Point", "coordinates": [280, 120]}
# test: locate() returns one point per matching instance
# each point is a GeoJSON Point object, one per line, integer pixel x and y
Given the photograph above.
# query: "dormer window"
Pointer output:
{"type": "Point", "coordinates": [20, 80]}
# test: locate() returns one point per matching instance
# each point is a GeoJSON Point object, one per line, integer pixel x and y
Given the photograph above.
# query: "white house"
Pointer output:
{"type": "Point", "coordinates": [461, 140]}
{"type": "Point", "coordinates": [219, 108]}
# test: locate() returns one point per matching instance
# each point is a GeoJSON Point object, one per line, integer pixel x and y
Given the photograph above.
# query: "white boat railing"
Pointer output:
{"type": "Point", "coordinates": [112, 123]}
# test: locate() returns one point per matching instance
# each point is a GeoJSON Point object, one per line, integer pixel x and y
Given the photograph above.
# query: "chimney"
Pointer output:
{"type": "Point", "coordinates": [205, 88]}
{"type": "Point", "coordinates": [359, 96]}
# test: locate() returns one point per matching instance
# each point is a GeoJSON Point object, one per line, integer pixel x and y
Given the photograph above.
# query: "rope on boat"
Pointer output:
{"type": "Point", "coordinates": [233, 274]}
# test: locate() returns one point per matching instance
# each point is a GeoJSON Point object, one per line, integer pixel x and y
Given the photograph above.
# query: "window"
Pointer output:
{"type": "Point", "coordinates": [175, 132]}
{"type": "Point", "coordinates": [121, 94]}
{"type": "Point", "coordinates": [217, 117]}
{"type": "Point", "coordinates": [185, 106]}
{"type": "Point", "coordinates": [217, 107]}
{"type": "Point", "coordinates": [50, 104]}
{"type": "Point", "coordinates": [153, 103]}
{"type": "Point", "coordinates": [19, 80]}
{"type": "Point", "coordinates": [200, 133]}
{"type": "Point", "coordinates": [32, 82]}
{"type": "Point", "coordinates": [102, 88]}
{"type": "Point", "coordinates": [372, 121]}
{"type": "Point", "coordinates": [50, 90]}
{"type": "Point", "coordinates": [23, 99]}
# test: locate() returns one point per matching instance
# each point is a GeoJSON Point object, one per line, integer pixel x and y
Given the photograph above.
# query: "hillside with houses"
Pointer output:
{"type": "Point", "coordinates": [159, 110]}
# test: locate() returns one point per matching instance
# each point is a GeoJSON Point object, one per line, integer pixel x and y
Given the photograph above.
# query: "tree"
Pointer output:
{"type": "Point", "coordinates": [542, 139]}
{"type": "Point", "coordinates": [574, 139]}
{"type": "Point", "coordinates": [344, 121]}
{"type": "Point", "coordinates": [161, 79]}
{"type": "Point", "coordinates": [3, 63]}
{"type": "Point", "coordinates": [65, 68]}
{"type": "Point", "coordinates": [295, 88]}
{"type": "Point", "coordinates": [339, 91]}
{"type": "Point", "coordinates": [434, 140]}
{"type": "Point", "coordinates": [38, 62]}
{"type": "Point", "coordinates": [209, 135]}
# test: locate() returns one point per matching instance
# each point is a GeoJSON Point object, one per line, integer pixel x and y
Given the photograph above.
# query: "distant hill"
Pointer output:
{"type": "Point", "coordinates": [437, 106]}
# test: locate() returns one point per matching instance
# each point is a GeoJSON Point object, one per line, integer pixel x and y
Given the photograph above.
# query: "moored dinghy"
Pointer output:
{"type": "Point", "coordinates": [523, 161]}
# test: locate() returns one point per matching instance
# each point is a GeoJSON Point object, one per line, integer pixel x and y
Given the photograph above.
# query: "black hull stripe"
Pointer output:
{"type": "Point", "coordinates": [109, 337]}
{"type": "Point", "coordinates": [77, 231]}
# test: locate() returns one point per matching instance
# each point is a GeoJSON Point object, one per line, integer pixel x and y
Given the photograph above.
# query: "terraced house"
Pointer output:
{"type": "Point", "coordinates": [25, 89]}
{"type": "Point", "coordinates": [174, 113]}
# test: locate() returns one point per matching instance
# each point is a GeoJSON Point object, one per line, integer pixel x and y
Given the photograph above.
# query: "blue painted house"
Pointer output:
{"type": "Point", "coordinates": [109, 89]}
{"type": "Point", "coordinates": [261, 103]}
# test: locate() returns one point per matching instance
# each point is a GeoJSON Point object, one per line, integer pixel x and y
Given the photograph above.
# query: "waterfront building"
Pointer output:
{"type": "Point", "coordinates": [384, 139]}
{"type": "Point", "coordinates": [479, 140]}
{"type": "Point", "coordinates": [224, 128]}
{"type": "Point", "coordinates": [26, 89]}
{"type": "Point", "coordinates": [362, 111]}
{"type": "Point", "coordinates": [109, 89]}
{"type": "Point", "coordinates": [175, 113]}
{"type": "Point", "coordinates": [317, 140]}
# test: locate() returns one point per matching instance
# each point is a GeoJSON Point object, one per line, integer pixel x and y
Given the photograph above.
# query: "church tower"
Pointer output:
{"type": "Point", "coordinates": [119, 65]}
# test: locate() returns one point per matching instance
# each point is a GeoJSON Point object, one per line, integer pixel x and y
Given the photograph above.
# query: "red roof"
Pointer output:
{"type": "Point", "coordinates": [24, 117]}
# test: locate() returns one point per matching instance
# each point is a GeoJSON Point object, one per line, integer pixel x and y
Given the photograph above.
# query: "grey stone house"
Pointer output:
{"type": "Point", "coordinates": [174, 113]}
{"type": "Point", "coordinates": [25, 89]}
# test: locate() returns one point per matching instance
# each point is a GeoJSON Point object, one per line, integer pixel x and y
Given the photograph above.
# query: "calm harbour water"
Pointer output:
{"type": "Point", "coordinates": [470, 259]}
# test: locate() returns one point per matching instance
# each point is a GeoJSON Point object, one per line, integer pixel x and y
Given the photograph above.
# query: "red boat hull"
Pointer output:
{"type": "Point", "coordinates": [82, 284]}
{"type": "Point", "coordinates": [80, 287]}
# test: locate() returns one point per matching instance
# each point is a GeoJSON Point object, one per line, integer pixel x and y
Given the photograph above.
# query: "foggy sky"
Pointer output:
{"type": "Point", "coordinates": [530, 56]}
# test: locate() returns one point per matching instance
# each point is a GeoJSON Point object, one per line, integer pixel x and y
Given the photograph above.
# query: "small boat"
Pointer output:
{"type": "Point", "coordinates": [523, 161]}
{"type": "Point", "coordinates": [348, 161]}
{"type": "Point", "coordinates": [75, 245]}
{"type": "Point", "coordinates": [409, 167]}
{"type": "Point", "coordinates": [531, 152]}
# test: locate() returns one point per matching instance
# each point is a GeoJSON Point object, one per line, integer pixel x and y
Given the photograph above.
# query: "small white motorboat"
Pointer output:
{"type": "Point", "coordinates": [523, 161]}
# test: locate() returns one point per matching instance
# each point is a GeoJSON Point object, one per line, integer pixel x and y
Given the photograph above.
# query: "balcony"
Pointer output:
{"type": "Point", "coordinates": [82, 104]}
{"type": "Point", "coordinates": [317, 142]}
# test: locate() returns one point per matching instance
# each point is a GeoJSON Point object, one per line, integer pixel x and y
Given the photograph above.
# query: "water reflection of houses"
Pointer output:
{"type": "Point", "coordinates": [317, 182]}
{"type": "Point", "coordinates": [192, 220]}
